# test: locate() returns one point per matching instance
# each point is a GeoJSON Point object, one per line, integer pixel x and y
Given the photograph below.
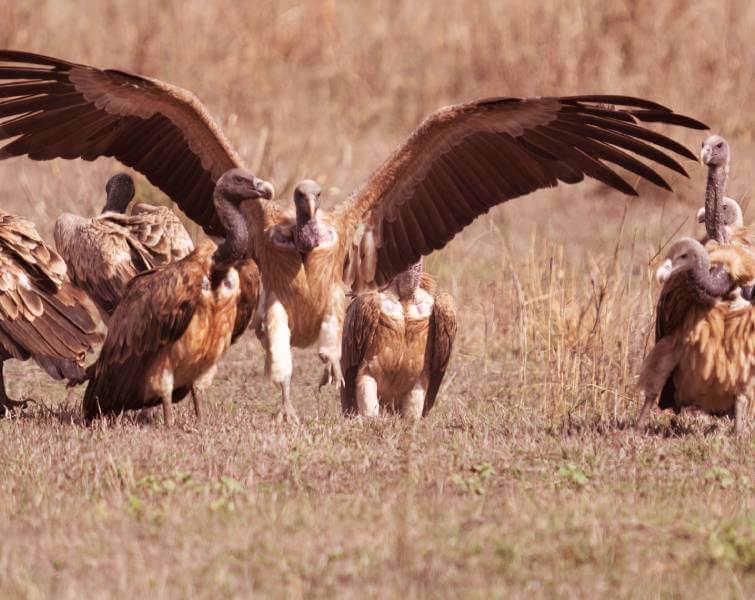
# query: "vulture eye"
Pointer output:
{"type": "Point", "coordinates": [719, 145]}
{"type": "Point", "coordinates": [683, 255]}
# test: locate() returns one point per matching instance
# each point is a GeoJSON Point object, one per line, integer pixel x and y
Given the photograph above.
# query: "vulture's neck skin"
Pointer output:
{"type": "Point", "coordinates": [307, 234]}
{"type": "Point", "coordinates": [407, 282]}
{"type": "Point", "coordinates": [707, 285]}
{"type": "Point", "coordinates": [234, 247]}
{"type": "Point", "coordinates": [714, 196]}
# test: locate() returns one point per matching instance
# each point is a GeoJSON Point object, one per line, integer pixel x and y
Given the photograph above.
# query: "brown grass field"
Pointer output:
{"type": "Point", "coordinates": [527, 479]}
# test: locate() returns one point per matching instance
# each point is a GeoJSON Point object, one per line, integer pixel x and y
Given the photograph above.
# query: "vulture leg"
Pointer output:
{"type": "Point", "coordinates": [329, 343]}
{"type": "Point", "coordinates": [287, 412]}
{"type": "Point", "coordinates": [197, 395]}
{"type": "Point", "coordinates": [6, 404]}
{"type": "Point", "coordinates": [278, 360]}
{"type": "Point", "coordinates": [167, 400]}
{"type": "Point", "coordinates": [367, 396]}
{"type": "Point", "coordinates": [413, 403]}
{"type": "Point", "coordinates": [198, 389]}
{"type": "Point", "coordinates": [657, 367]}
{"type": "Point", "coordinates": [741, 413]}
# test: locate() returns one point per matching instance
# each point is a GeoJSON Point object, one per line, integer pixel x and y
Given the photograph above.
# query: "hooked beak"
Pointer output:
{"type": "Point", "coordinates": [664, 271]}
{"type": "Point", "coordinates": [312, 205]}
{"type": "Point", "coordinates": [701, 215]}
{"type": "Point", "coordinates": [264, 188]}
{"type": "Point", "coordinates": [705, 154]}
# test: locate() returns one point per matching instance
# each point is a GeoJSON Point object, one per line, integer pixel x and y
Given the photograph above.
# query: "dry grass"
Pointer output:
{"type": "Point", "coordinates": [525, 479]}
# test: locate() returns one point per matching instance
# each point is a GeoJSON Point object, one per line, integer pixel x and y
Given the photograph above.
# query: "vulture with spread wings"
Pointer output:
{"type": "Point", "coordinates": [459, 163]}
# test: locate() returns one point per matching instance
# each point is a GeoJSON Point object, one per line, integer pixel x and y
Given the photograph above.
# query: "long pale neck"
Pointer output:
{"type": "Point", "coordinates": [714, 197]}
{"type": "Point", "coordinates": [234, 246]}
{"type": "Point", "coordinates": [408, 281]}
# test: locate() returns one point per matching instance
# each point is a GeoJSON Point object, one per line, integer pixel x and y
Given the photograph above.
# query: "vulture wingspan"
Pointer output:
{"type": "Point", "coordinates": [465, 159]}
{"type": "Point", "coordinates": [52, 108]}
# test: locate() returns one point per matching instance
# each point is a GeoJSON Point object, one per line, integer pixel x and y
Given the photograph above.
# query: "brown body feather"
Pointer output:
{"type": "Point", "coordinates": [711, 348]}
{"type": "Point", "coordinates": [42, 316]}
{"type": "Point", "coordinates": [169, 323]}
{"type": "Point", "coordinates": [398, 346]}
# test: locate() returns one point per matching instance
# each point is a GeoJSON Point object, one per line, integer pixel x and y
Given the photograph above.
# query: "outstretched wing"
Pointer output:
{"type": "Point", "coordinates": [440, 341]}
{"type": "Point", "coordinates": [52, 108]}
{"type": "Point", "coordinates": [357, 342]}
{"type": "Point", "coordinates": [155, 310]}
{"type": "Point", "coordinates": [465, 159]}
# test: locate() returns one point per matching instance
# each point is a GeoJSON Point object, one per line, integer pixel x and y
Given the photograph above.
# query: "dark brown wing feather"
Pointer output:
{"type": "Point", "coordinates": [42, 316]}
{"type": "Point", "coordinates": [52, 108]}
{"type": "Point", "coordinates": [359, 327]}
{"type": "Point", "coordinates": [465, 159]}
{"type": "Point", "coordinates": [155, 310]}
{"type": "Point", "coordinates": [440, 341]}
{"type": "Point", "coordinates": [251, 283]}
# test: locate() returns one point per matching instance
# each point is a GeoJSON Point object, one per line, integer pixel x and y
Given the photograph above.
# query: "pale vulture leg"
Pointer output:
{"type": "Point", "coordinates": [656, 369]}
{"type": "Point", "coordinates": [413, 403]}
{"type": "Point", "coordinates": [367, 396]}
{"type": "Point", "coordinates": [279, 364]}
{"type": "Point", "coordinates": [168, 409]}
{"type": "Point", "coordinates": [741, 413]}
{"type": "Point", "coordinates": [201, 384]}
{"type": "Point", "coordinates": [164, 389]}
{"type": "Point", "coordinates": [329, 343]}
{"type": "Point", "coordinates": [6, 404]}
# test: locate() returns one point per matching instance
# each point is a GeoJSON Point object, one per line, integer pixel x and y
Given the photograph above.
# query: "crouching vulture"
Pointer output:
{"type": "Point", "coordinates": [105, 252]}
{"type": "Point", "coordinates": [396, 346]}
{"type": "Point", "coordinates": [459, 163]}
{"type": "Point", "coordinates": [704, 354]}
{"type": "Point", "coordinates": [173, 323]}
{"type": "Point", "coordinates": [42, 316]}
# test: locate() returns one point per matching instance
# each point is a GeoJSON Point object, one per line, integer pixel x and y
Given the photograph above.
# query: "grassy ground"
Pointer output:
{"type": "Point", "coordinates": [526, 479]}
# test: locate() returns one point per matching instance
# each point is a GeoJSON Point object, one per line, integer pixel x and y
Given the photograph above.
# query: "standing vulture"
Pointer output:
{"type": "Point", "coordinates": [42, 316]}
{"type": "Point", "coordinates": [105, 252]}
{"type": "Point", "coordinates": [704, 355]}
{"type": "Point", "coordinates": [173, 323]}
{"type": "Point", "coordinates": [459, 163]}
{"type": "Point", "coordinates": [396, 346]}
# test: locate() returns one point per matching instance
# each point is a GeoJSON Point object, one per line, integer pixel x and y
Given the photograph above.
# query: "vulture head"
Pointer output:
{"type": "Point", "coordinates": [731, 211]}
{"type": "Point", "coordinates": [715, 152]}
{"type": "Point", "coordinates": [120, 191]}
{"type": "Point", "coordinates": [685, 255]}
{"type": "Point", "coordinates": [237, 185]}
{"type": "Point", "coordinates": [307, 200]}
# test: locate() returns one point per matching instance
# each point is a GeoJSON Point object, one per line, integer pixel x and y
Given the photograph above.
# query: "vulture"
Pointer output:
{"type": "Point", "coordinates": [704, 355]}
{"type": "Point", "coordinates": [732, 219]}
{"type": "Point", "coordinates": [105, 252]}
{"type": "Point", "coordinates": [42, 316]}
{"type": "Point", "coordinates": [458, 164]}
{"type": "Point", "coordinates": [396, 346]}
{"type": "Point", "coordinates": [174, 322]}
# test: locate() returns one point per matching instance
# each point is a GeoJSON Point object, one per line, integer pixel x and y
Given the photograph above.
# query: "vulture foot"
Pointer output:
{"type": "Point", "coordinates": [287, 412]}
{"type": "Point", "coordinates": [198, 397]}
{"type": "Point", "coordinates": [640, 425]}
{"type": "Point", "coordinates": [331, 374]}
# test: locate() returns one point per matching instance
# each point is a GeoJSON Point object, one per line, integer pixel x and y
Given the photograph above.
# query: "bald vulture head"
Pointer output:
{"type": "Point", "coordinates": [237, 185]}
{"type": "Point", "coordinates": [307, 200]}
{"type": "Point", "coordinates": [685, 255]}
{"type": "Point", "coordinates": [715, 152]}
{"type": "Point", "coordinates": [732, 215]}
{"type": "Point", "coordinates": [120, 191]}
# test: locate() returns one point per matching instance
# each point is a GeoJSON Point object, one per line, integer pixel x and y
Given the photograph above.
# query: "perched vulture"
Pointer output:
{"type": "Point", "coordinates": [173, 323]}
{"type": "Point", "coordinates": [396, 346]}
{"type": "Point", "coordinates": [459, 163]}
{"type": "Point", "coordinates": [105, 252]}
{"type": "Point", "coordinates": [704, 355]}
{"type": "Point", "coordinates": [42, 316]}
